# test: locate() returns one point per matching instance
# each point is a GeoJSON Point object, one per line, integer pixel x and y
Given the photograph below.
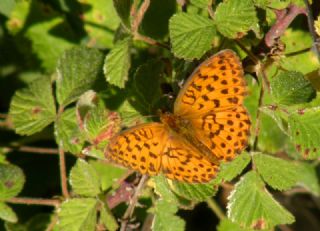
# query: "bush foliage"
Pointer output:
{"type": "Point", "coordinates": [74, 73]}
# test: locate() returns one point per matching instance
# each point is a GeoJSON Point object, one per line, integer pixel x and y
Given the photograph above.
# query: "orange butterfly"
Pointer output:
{"type": "Point", "coordinates": [209, 124]}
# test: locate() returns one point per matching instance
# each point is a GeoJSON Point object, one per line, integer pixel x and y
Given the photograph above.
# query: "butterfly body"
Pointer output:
{"type": "Point", "coordinates": [209, 125]}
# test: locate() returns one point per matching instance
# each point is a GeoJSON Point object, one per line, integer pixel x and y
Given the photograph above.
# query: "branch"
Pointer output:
{"type": "Point", "coordinates": [284, 18]}
{"type": "Point", "coordinates": [216, 209]}
{"type": "Point", "coordinates": [34, 201]}
{"type": "Point", "coordinates": [311, 28]}
{"type": "Point", "coordinates": [137, 19]}
{"type": "Point", "coordinates": [63, 173]}
{"type": "Point", "coordinates": [29, 149]}
{"type": "Point", "coordinates": [132, 204]}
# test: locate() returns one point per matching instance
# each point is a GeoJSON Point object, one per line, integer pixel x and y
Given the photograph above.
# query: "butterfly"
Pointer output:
{"type": "Point", "coordinates": [209, 124]}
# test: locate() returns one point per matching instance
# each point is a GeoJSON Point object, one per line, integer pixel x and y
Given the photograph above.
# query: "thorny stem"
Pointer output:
{"type": "Point", "coordinates": [128, 214]}
{"type": "Point", "coordinates": [139, 16]}
{"type": "Point", "coordinates": [216, 209]}
{"type": "Point", "coordinates": [284, 18]}
{"type": "Point", "coordinates": [34, 201]}
{"type": "Point", "coordinates": [311, 28]}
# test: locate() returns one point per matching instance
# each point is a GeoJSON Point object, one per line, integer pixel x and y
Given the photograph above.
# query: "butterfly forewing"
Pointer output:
{"type": "Point", "coordinates": [217, 84]}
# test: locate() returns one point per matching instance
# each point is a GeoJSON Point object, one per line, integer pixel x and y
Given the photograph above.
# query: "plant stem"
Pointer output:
{"type": "Point", "coordinates": [29, 149]}
{"type": "Point", "coordinates": [216, 209]}
{"type": "Point", "coordinates": [63, 173]}
{"type": "Point", "coordinates": [132, 204]}
{"type": "Point", "coordinates": [34, 201]}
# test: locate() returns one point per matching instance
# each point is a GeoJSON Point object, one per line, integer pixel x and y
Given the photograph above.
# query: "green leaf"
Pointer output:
{"type": "Point", "coordinates": [78, 214]}
{"type": "Point", "coordinates": [194, 192]}
{"type": "Point", "coordinates": [123, 8]}
{"type": "Point", "coordinates": [227, 225]}
{"type": "Point", "coordinates": [117, 63]}
{"type": "Point", "coordinates": [129, 114]}
{"type": "Point", "coordinates": [308, 178]}
{"type": "Point", "coordinates": [292, 88]}
{"type": "Point", "coordinates": [162, 188]}
{"type": "Point", "coordinates": [78, 70]}
{"type": "Point", "coordinates": [33, 108]}
{"type": "Point", "coordinates": [229, 170]}
{"type": "Point", "coordinates": [279, 174]}
{"type": "Point", "coordinates": [12, 180]}
{"type": "Point", "coordinates": [165, 217]}
{"type": "Point", "coordinates": [304, 130]}
{"type": "Point", "coordinates": [107, 173]}
{"type": "Point", "coordinates": [156, 19]}
{"type": "Point", "coordinates": [67, 132]}
{"type": "Point", "coordinates": [251, 205]}
{"type": "Point", "coordinates": [271, 137]}
{"type": "Point", "coordinates": [235, 18]}
{"type": "Point", "coordinates": [6, 6]}
{"type": "Point", "coordinates": [304, 62]}
{"type": "Point", "coordinates": [108, 219]}
{"type": "Point", "coordinates": [146, 89]}
{"type": "Point", "coordinates": [84, 179]}
{"type": "Point", "coordinates": [7, 214]}
{"type": "Point", "coordinates": [191, 35]}
{"type": "Point", "coordinates": [100, 124]}
{"type": "Point", "coordinates": [100, 22]}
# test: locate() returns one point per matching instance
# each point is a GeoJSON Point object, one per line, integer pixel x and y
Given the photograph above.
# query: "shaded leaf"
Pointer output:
{"type": "Point", "coordinates": [117, 63]}
{"type": "Point", "coordinates": [235, 18]}
{"type": "Point", "coordinates": [33, 108]}
{"type": "Point", "coordinates": [279, 174]}
{"type": "Point", "coordinates": [78, 69]}
{"type": "Point", "coordinates": [123, 8]}
{"type": "Point", "coordinates": [146, 91]}
{"type": "Point", "coordinates": [78, 214]}
{"type": "Point", "coordinates": [191, 35]}
{"type": "Point", "coordinates": [12, 180]}
{"type": "Point", "coordinates": [251, 206]}
{"type": "Point", "coordinates": [84, 179]}
{"type": "Point", "coordinates": [292, 88]}
{"type": "Point", "coordinates": [308, 178]}
{"type": "Point", "coordinates": [156, 19]}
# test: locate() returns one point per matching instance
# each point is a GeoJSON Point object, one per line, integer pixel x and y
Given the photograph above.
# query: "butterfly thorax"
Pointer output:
{"type": "Point", "coordinates": [175, 123]}
{"type": "Point", "coordinates": [183, 128]}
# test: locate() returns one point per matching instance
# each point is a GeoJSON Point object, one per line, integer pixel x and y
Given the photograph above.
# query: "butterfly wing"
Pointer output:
{"type": "Point", "coordinates": [151, 148]}
{"type": "Point", "coordinates": [139, 148]}
{"type": "Point", "coordinates": [216, 84]}
{"type": "Point", "coordinates": [182, 162]}
{"type": "Point", "coordinates": [212, 101]}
